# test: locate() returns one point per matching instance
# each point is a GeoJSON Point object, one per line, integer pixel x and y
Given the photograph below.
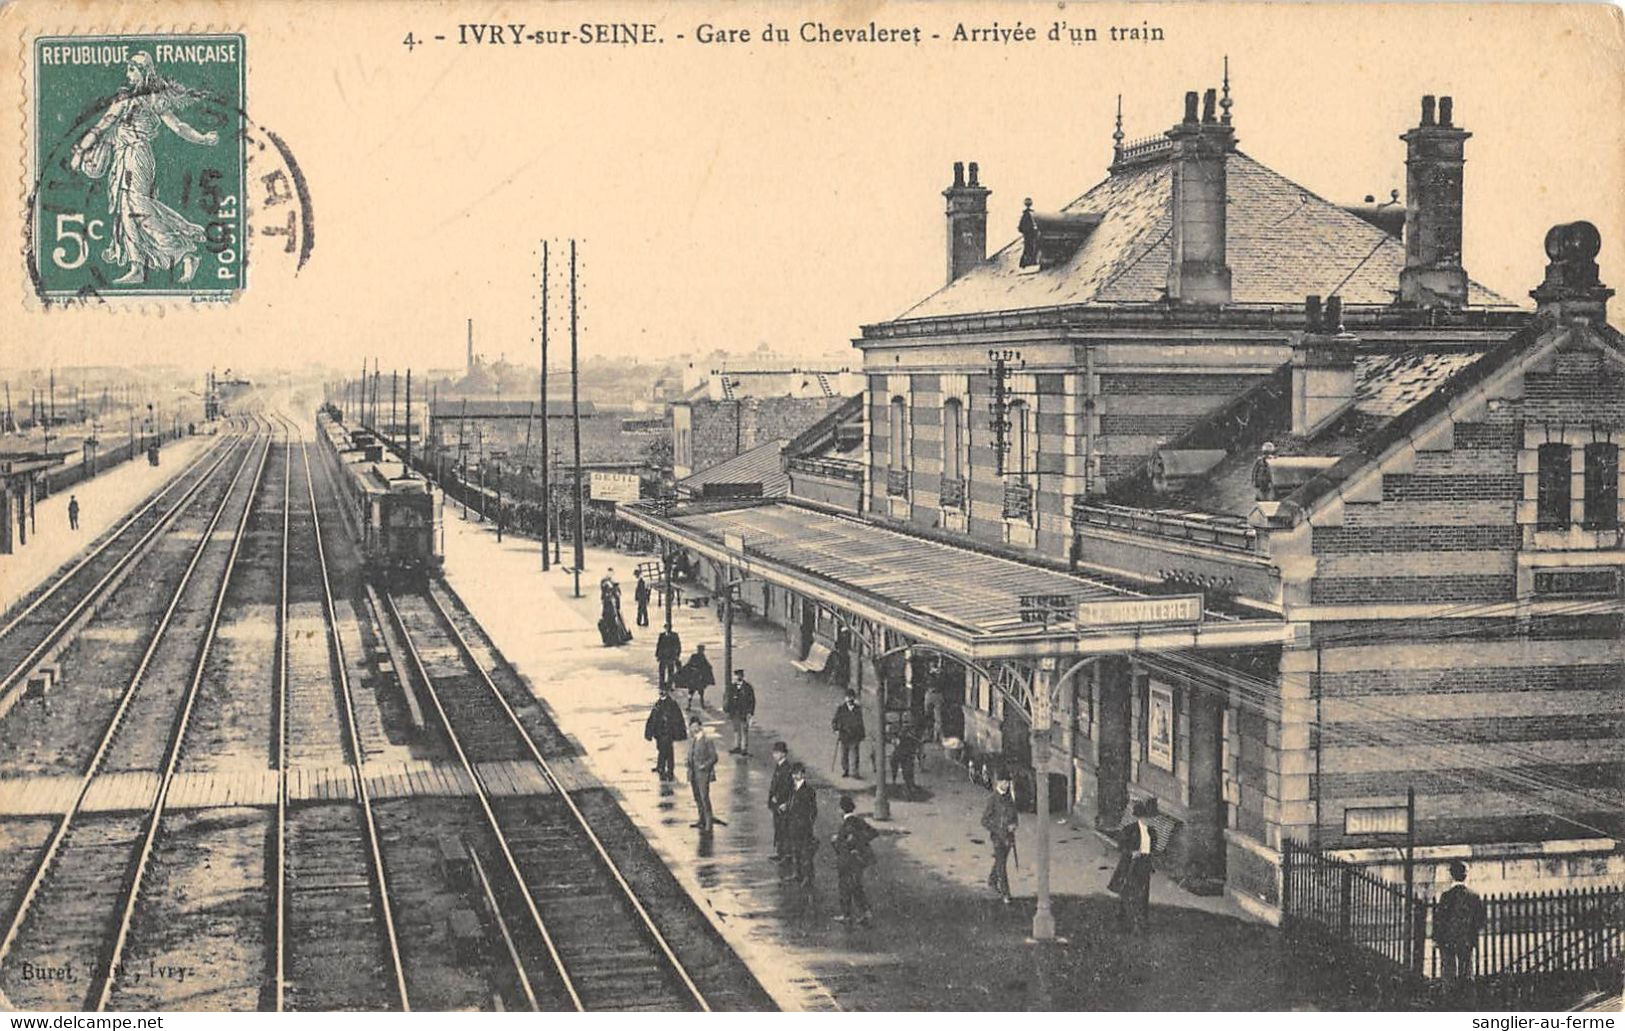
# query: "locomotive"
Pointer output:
{"type": "Point", "coordinates": [392, 511]}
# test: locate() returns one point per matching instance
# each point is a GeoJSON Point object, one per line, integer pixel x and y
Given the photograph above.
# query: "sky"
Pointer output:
{"type": "Point", "coordinates": [726, 196]}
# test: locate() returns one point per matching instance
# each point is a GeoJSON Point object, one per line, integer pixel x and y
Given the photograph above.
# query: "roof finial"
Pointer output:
{"type": "Point", "coordinates": [1224, 103]}
{"type": "Point", "coordinates": [1117, 133]}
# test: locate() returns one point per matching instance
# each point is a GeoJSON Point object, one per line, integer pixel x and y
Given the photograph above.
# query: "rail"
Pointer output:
{"type": "Point", "coordinates": [645, 920]}
{"type": "Point", "coordinates": [58, 835]}
{"type": "Point", "coordinates": [357, 756]}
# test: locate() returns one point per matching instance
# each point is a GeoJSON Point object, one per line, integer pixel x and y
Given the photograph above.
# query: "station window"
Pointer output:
{"type": "Point", "coordinates": [953, 429]}
{"type": "Point", "coordinates": [1555, 472]}
{"type": "Point", "coordinates": [1602, 486]}
{"type": "Point", "coordinates": [899, 449]}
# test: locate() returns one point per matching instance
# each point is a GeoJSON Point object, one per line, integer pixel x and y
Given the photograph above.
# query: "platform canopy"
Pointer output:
{"type": "Point", "coordinates": [976, 605]}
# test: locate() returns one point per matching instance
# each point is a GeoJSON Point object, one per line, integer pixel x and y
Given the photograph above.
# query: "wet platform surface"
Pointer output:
{"type": "Point", "coordinates": [940, 939]}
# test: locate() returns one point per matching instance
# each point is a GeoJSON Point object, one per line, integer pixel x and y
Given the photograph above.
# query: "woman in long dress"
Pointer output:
{"type": "Point", "coordinates": [610, 624]}
{"type": "Point", "coordinates": [145, 233]}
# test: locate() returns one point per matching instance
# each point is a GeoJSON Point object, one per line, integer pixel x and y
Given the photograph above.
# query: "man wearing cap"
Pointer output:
{"type": "Point", "coordinates": [999, 819]}
{"type": "Point", "coordinates": [1458, 918]}
{"type": "Point", "coordinates": [739, 702]}
{"type": "Point", "coordinates": [849, 734]}
{"type": "Point", "coordinates": [702, 770]}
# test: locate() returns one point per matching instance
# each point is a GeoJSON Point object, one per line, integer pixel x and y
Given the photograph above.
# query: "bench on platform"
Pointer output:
{"type": "Point", "coordinates": [817, 660]}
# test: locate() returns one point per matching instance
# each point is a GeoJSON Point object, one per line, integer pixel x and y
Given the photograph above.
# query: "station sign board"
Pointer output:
{"type": "Point", "coordinates": [1171, 609]}
{"type": "Point", "coordinates": [615, 487]}
{"type": "Point", "coordinates": [1386, 819]}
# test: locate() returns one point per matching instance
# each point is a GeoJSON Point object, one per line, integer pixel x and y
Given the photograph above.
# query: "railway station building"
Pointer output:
{"type": "Point", "coordinates": [1208, 491]}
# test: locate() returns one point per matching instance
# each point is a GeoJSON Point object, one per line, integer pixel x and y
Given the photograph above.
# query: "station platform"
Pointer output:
{"type": "Point", "coordinates": [104, 501]}
{"type": "Point", "coordinates": [941, 939]}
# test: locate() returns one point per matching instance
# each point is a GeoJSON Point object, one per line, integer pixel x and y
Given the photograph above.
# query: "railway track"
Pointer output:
{"type": "Point", "coordinates": [336, 945]}
{"type": "Point", "coordinates": [41, 622]}
{"type": "Point", "coordinates": [583, 938]}
{"type": "Point", "coordinates": [80, 897]}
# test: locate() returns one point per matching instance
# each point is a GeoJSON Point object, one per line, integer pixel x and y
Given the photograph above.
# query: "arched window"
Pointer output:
{"type": "Point", "coordinates": [895, 432]}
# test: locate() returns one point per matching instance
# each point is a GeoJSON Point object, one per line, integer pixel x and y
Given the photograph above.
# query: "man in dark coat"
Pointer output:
{"type": "Point", "coordinates": [664, 726]}
{"type": "Point", "coordinates": [696, 676]}
{"type": "Point", "coordinates": [1458, 917]}
{"type": "Point", "coordinates": [668, 653]}
{"type": "Point", "coordinates": [852, 856]}
{"type": "Point", "coordinates": [1136, 842]}
{"type": "Point", "coordinates": [739, 702]}
{"type": "Point", "coordinates": [849, 733]}
{"type": "Point", "coordinates": [779, 791]}
{"type": "Point", "coordinates": [905, 755]}
{"type": "Point", "coordinates": [999, 819]}
{"type": "Point", "coordinates": [803, 814]}
{"type": "Point", "coordinates": [641, 595]}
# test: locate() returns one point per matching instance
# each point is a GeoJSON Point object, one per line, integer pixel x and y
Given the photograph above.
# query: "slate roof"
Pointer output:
{"type": "Point", "coordinates": [1388, 385]}
{"type": "Point", "coordinates": [1283, 243]}
{"type": "Point", "coordinates": [762, 464]}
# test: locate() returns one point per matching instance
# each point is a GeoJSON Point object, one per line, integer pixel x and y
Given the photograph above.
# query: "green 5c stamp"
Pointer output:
{"type": "Point", "coordinates": [141, 153]}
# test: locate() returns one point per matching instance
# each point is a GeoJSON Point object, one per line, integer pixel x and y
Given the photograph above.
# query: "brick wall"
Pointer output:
{"type": "Point", "coordinates": [723, 429]}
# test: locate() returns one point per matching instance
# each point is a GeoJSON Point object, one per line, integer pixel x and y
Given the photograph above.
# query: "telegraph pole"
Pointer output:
{"type": "Point", "coordinates": [394, 384]}
{"type": "Point", "coordinates": [575, 417]}
{"type": "Point", "coordinates": [547, 494]}
{"type": "Point", "coordinates": [408, 422]}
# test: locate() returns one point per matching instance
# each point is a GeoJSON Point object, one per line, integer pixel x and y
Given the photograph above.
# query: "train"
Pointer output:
{"type": "Point", "coordinates": [393, 511]}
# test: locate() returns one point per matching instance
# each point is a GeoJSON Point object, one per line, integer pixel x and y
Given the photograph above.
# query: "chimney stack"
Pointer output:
{"type": "Point", "coordinates": [1197, 272]}
{"type": "Point", "coordinates": [1572, 288]}
{"type": "Point", "coordinates": [1322, 366]}
{"type": "Point", "coordinates": [1433, 275]}
{"type": "Point", "coordinates": [967, 221]}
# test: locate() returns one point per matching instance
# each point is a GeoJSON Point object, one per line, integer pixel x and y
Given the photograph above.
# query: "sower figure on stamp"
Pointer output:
{"type": "Point", "coordinates": [779, 790]}
{"type": "Point", "coordinates": [668, 653]}
{"type": "Point", "coordinates": [1458, 917]}
{"type": "Point", "coordinates": [803, 814]}
{"type": "Point", "coordinates": [640, 594]}
{"type": "Point", "coordinates": [739, 703]}
{"type": "Point", "coordinates": [999, 819]}
{"type": "Point", "coordinates": [853, 855]}
{"type": "Point", "coordinates": [145, 233]}
{"type": "Point", "coordinates": [664, 726]}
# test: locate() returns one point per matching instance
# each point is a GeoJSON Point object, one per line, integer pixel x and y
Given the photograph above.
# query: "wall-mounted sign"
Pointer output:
{"type": "Point", "coordinates": [1179, 608]}
{"type": "Point", "coordinates": [1379, 819]}
{"type": "Point", "coordinates": [614, 487]}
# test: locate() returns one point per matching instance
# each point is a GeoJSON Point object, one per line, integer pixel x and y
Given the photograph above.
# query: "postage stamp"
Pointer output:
{"type": "Point", "coordinates": [140, 157]}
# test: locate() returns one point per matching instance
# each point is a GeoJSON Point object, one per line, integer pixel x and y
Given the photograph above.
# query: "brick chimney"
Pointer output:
{"type": "Point", "coordinates": [1322, 367]}
{"type": "Point", "coordinates": [1433, 275]}
{"type": "Point", "coordinates": [967, 222]}
{"type": "Point", "coordinates": [1197, 273]}
{"type": "Point", "coordinates": [1572, 288]}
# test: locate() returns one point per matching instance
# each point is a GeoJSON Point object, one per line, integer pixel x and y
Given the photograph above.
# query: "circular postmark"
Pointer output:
{"type": "Point", "coordinates": [150, 177]}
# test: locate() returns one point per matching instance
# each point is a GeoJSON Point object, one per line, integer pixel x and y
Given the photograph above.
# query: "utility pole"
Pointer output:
{"type": "Point", "coordinates": [408, 422]}
{"type": "Point", "coordinates": [360, 414]}
{"type": "Point", "coordinates": [547, 494]}
{"type": "Point", "coordinates": [462, 457]}
{"type": "Point", "coordinates": [575, 418]}
{"type": "Point", "coordinates": [394, 384]}
{"type": "Point", "coordinates": [524, 471]}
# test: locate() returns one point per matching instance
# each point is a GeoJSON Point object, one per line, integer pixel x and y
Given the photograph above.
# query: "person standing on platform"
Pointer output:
{"type": "Point", "coordinates": [702, 770]}
{"type": "Point", "coordinates": [665, 726]}
{"type": "Point", "coordinates": [73, 512]}
{"type": "Point", "coordinates": [999, 819]}
{"type": "Point", "coordinates": [1131, 881]}
{"type": "Point", "coordinates": [696, 675]}
{"type": "Point", "coordinates": [853, 855]}
{"type": "Point", "coordinates": [739, 702]}
{"type": "Point", "coordinates": [935, 703]}
{"type": "Point", "coordinates": [803, 814]}
{"type": "Point", "coordinates": [502, 521]}
{"type": "Point", "coordinates": [905, 755]}
{"type": "Point", "coordinates": [779, 790]}
{"type": "Point", "coordinates": [1458, 918]}
{"type": "Point", "coordinates": [849, 734]}
{"type": "Point", "coordinates": [611, 625]}
{"type": "Point", "coordinates": [668, 653]}
{"type": "Point", "coordinates": [641, 594]}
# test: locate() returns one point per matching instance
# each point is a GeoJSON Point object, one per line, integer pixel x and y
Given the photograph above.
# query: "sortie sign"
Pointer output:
{"type": "Point", "coordinates": [1178, 608]}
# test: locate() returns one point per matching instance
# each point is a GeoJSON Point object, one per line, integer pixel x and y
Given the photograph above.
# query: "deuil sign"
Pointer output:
{"type": "Point", "coordinates": [1179, 608]}
{"type": "Point", "coordinates": [621, 487]}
